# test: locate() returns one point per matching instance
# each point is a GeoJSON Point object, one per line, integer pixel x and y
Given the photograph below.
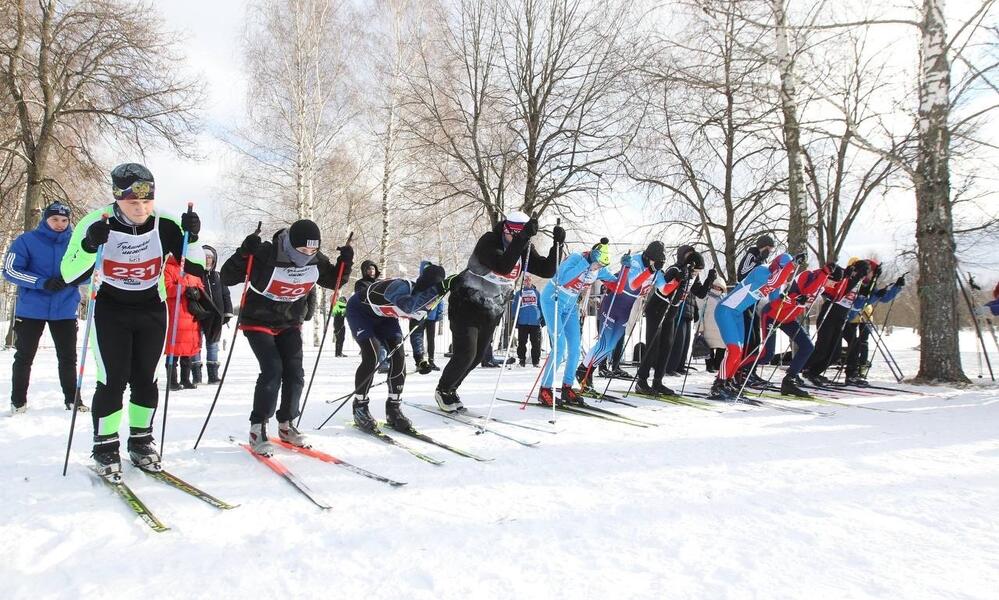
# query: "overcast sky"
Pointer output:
{"type": "Point", "coordinates": [213, 30]}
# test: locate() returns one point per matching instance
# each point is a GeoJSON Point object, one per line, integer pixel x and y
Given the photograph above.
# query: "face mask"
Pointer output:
{"type": "Point", "coordinates": [298, 258]}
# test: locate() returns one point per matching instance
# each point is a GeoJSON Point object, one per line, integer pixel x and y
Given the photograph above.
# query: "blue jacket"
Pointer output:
{"type": "Point", "coordinates": [884, 295]}
{"type": "Point", "coordinates": [573, 276]}
{"type": "Point", "coordinates": [530, 310]}
{"type": "Point", "coordinates": [33, 258]}
{"type": "Point", "coordinates": [437, 312]}
{"type": "Point", "coordinates": [760, 283]}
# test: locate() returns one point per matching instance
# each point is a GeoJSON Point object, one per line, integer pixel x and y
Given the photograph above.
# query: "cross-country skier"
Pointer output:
{"type": "Point", "coordinates": [43, 298]}
{"type": "Point", "coordinates": [284, 272]}
{"type": "Point", "coordinates": [373, 317]}
{"type": "Point", "coordinates": [576, 273]}
{"type": "Point", "coordinates": [634, 280]}
{"type": "Point", "coordinates": [662, 316]}
{"type": "Point", "coordinates": [762, 282]}
{"type": "Point", "coordinates": [130, 314]}
{"type": "Point", "coordinates": [755, 256]}
{"type": "Point", "coordinates": [857, 331]}
{"type": "Point", "coordinates": [482, 291]}
{"type": "Point", "coordinates": [677, 355]}
{"type": "Point", "coordinates": [785, 313]}
{"type": "Point", "coordinates": [833, 317]}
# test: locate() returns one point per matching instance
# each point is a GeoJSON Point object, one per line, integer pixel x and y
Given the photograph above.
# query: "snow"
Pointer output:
{"type": "Point", "coordinates": [751, 503]}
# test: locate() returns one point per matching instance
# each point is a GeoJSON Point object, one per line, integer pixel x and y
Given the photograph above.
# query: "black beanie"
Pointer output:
{"type": "Point", "coordinates": [124, 176]}
{"type": "Point", "coordinates": [655, 252]}
{"type": "Point", "coordinates": [432, 275]}
{"type": "Point", "coordinates": [764, 241]}
{"type": "Point", "coordinates": [304, 234]}
{"type": "Point", "coordinates": [56, 209]}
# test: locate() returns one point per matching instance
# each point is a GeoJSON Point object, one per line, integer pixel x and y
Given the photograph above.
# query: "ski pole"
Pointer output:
{"type": "Point", "coordinates": [554, 353]}
{"type": "Point", "coordinates": [232, 346]}
{"type": "Point", "coordinates": [655, 337]}
{"type": "Point", "coordinates": [974, 321]}
{"type": "Point", "coordinates": [636, 326]}
{"type": "Point", "coordinates": [690, 359]}
{"type": "Point", "coordinates": [988, 321]}
{"type": "Point", "coordinates": [886, 354]}
{"type": "Point", "coordinates": [610, 308]}
{"type": "Point", "coordinates": [326, 328]}
{"type": "Point", "coordinates": [95, 282]}
{"type": "Point", "coordinates": [509, 346]}
{"type": "Point", "coordinates": [174, 323]}
{"type": "Point", "coordinates": [367, 382]}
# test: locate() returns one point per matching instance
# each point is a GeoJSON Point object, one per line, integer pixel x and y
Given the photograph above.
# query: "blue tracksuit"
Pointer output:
{"type": "Point", "coordinates": [639, 282]}
{"type": "Point", "coordinates": [883, 295]}
{"type": "Point", "coordinates": [33, 258]}
{"type": "Point", "coordinates": [571, 278]}
{"type": "Point", "coordinates": [530, 309]}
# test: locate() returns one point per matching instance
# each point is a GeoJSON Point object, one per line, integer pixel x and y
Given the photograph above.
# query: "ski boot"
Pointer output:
{"type": "Point", "coordinates": [290, 434]}
{"type": "Point", "coordinates": [18, 410]}
{"type": "Point", "coordinates": [423, 368]}
{"type": "Point", "coordinates": [789, 387]}
{"type": "Point", "coordinates": [448, 401]}
{"type": "Point", "coordinates": [620, 373]}
{"type": "Point", "coordinates": [570, 397]}
{"type": "Point", "coordinates": [258, 440]}
{"type": "Point", "coordinates": [107, 462]}
{"type": "Point", "coordinates": [604, 372]}
{"type": "Point", "coordinates": [434, 367]}
{"type": "Point", "coordinates": [818, 379]}
{"type": "Point", "coordinates": [642, 387]}
{"type": "Point", "coordinates": [857, 381]}
{"type": "Point", "coordinates": [662, 390]}
{"type": "Point", "coordinates": [362, 416]}
{"type": "Point", "coordinates": [756, 382]}
{"type": "Point", "coordinates": [722, 390]}
{"type": "Point", "coordinates": [394, 417]}
{"type": "Point", "coordinates": [545, 397]}
{"type": "Point", "coordinates": [142, 450]}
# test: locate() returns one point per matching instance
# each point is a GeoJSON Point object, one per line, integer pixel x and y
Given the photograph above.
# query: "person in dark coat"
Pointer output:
{"type": "Point", "coordinates": [43, 298]}
{"type": "Point", "coordinates": [218, 299]}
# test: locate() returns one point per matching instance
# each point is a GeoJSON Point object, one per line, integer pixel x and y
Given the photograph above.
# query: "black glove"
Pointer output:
{"type": "Point", "coordinates": [657, 265]}
{"type": "Point", "coordinates": [346, 254]}
{"type": "Point", "coordinates": [837, 273]}
{"type": "Point", "coordinates": [97, 234]}
{"type": "Point", "coordinates": [226, 319]}
{"type": "Point", "coordinates": [900, 282]}
{"type": "Point", "coordinates": [801, 259]}
{"type": "Point", "coordinates": [424, 368]}
{"type": "Point", "coordinates": [54, 284]}
{"type": "Point", "coordinates": [558, 234]}
{"type": "Point", "coordinates": [249, 245]}
{"type": "Point", "coordinates": [530, 228]}
{"type": "Point", "coordinates": [802, 299]}
{"type": "Point", "coordinates": [193, 293]}
{"type": "Point", "coordinates": [191, 223]}
{"type": "Point", "coordinates": [448, 282]}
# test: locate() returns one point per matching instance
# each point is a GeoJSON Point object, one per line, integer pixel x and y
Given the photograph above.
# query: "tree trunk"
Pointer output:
{"type": "Point", "coordinates": [939, 355]}
{"type": "Point", "coordinates": [797, 226]}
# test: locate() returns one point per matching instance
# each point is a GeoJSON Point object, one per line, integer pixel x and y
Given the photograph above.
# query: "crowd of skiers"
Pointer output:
{"type": "Point", "coordinates": [158, 292]}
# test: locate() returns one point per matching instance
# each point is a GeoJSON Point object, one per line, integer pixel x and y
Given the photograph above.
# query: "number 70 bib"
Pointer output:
{"type": "Point", "coordinates": [288, 284]}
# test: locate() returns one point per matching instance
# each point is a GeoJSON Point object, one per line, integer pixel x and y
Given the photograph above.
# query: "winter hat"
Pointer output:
{"type": "Point", "coordinates": [514, 221]}
{"type": "Point", "coordinates": [132, 181]}
{"type": "Point", "coordinates": [764, 241]}
{"type": "Point", "coordinates": [432, 275]}
{"type": "Point", "coordinates": [719, 283]}
{"type": "Point", "coordinates": [694, 259]}
{"type": "Point", "coordinates": [655, 252]}
{"type": "Point", "coordinates": [56, 209]}
{"type": "Point", "coordinates": [304, 234]}
{"type": "Point", "coordinates": [600, 252]}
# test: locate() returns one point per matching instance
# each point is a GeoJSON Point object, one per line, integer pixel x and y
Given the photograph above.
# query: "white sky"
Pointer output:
{"type": "Point", "coordinates": [213, 29]}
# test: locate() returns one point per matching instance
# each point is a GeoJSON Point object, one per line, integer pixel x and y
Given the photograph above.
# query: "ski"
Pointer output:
{"type": "Point", "coordinates": [381, 435]}
{"type": "Point", "coordinates": [329, 458]}
{"type": "Point", "coordinates": [610, 413]}
{"type": "Point", "coordinates": [676, 399]}
{"type": "Point", "coordinates": [601, 414]}
{"type": "Point", "coordinates": [783, 407]}
{"type": "Point", "coordinates": [595, 395]}
{"type": "Point", "coordinates": [178, 483]}
{"type": "Point", "coordinates": [471, 423]}
{"type": "Point", "coordinates": [779, 396]}
{"type": "Point", "coordinates": [117, 484]}
{"type": "Point", "coordinates": [475, 415]}
{"type": "Point", "coordinates": [274, 465]}
{"type": "Point", "coordinates": [429, 440]}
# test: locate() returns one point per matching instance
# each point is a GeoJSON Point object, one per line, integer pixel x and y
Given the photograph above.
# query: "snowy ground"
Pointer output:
{"type": "Point", "coordinates": [740, 504]}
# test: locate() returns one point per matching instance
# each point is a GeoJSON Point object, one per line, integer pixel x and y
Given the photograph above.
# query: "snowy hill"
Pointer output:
{"type": "Point", "coordinates": [732, 502]}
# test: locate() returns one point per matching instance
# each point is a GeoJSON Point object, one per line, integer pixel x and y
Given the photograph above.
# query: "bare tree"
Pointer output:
{"type": "Point", "coordinates": [89, 71]}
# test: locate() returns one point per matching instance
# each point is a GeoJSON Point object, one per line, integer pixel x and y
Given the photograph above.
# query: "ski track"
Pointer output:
{"type": "Point", "coordinates": [756, 504]}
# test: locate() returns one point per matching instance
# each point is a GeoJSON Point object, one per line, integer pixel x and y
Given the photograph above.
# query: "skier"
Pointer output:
{"type": "Point", "coordinates": [373, 318]}
{"type": "Point", "coordinates": [32, 264]}
{"type": "Point", "coordinates": [833, 317]}
{"type": "Point", "coordinates": [217, 295]}
{"type": "Point", "coordinates": [762, 282]}
{"type": "Point", "coordinates": [857, 331]}
{"type": "Point", "coordinates": [634, 280]}
{"type": "Point", "coordinates": [285, 270]}
{"type": "Point", "coordinates": [681, 338]}
{"type": "Point", "coordinates": [481, 293]}
{"type": "Point", "coordinates": [187, 342]}
{"type": "Point", "coordinates": [370, 273]}
{"type": "Point", "coordinates": [529, 322]}
{"type": "Point", "coordinates": [785, 313]}
{"type": "Point", "coordinates": [755, 256]}
{"type": "Point", "coordinates": [662, 315]}
{"type": "Point", "coordinates": [428, 326]}
{"type": "Point", "coordinates": [711, 333]}
{"type": "Point", "coordinates": [130, 315]}
{"type": "Point", "coordinates": [577, 272]}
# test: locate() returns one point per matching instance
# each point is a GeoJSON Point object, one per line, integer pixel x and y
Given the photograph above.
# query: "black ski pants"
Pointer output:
{"type": "Point", "coordinates": [339, 332]}
{"type": "Point", "coordinates": [27, 334]}
{"type": "Point", "coordinates": [660, 328]}
{"type": "Point", "coordinates": [280, 359]}
{"type": "Point", "coordinates": [532, 333]}
{"type": "Point", "coordinates": [856, 336]}
{"type": "Point", "coordinates": [827, 344]}
{"type": "Point", "coordinates": [681, 343]}
{"type": "Point", "coordinates": [471, 334]}
{"type": "Point", "coordinates": [420, 347]}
